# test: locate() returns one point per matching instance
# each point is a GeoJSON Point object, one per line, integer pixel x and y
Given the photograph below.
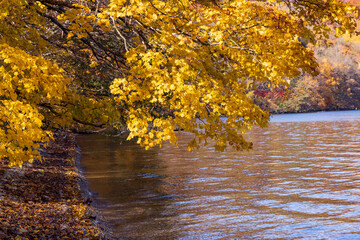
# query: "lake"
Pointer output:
{"type": "Point", "coordinates": [301, 181]}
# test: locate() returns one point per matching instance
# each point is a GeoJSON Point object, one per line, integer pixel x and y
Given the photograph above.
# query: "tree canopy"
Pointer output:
{"type": "Point", "coordinates": [151, 66]}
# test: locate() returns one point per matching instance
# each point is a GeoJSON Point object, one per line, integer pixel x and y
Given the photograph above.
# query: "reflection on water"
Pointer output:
{"type": "Point", "coordinates": [302, 180]}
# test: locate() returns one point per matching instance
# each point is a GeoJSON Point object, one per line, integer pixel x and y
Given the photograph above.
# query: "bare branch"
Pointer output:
{"type": "Point", "coordinates": [120, 35]}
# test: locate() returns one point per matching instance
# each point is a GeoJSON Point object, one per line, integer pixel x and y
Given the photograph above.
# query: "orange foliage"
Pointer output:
{"type": "Point", "coordinates": [354, 2]}
{"type": "Point", "coordinates": [337, 86]}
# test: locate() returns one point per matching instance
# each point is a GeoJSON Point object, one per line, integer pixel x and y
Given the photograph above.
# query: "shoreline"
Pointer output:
{"type": "Point", "coordinates": [49, 199]}
{"type": "Point", "coordinates": [312, 111]}
{"type": "Point", "coordinates": [87, 195]}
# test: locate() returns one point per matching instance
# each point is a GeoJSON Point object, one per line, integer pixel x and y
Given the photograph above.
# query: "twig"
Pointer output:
{"type": "Point", "coordinates": [118, 32]}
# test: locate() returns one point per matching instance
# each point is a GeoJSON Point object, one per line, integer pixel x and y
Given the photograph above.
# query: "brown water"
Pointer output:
{"type": "Point", "coordinates": [301, 181]}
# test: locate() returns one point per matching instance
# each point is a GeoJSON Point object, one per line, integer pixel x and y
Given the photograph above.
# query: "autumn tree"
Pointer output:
{"type": "Point", "coordinates": [36, 95]}
{"type": "Point", "coordinates": [152, 65]}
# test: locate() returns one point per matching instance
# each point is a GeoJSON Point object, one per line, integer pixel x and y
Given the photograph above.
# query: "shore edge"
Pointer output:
{"type": "Point", "coordinates": [49, 199]}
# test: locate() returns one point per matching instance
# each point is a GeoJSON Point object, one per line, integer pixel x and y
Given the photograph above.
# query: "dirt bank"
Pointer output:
{"type": "Point", "coordinates": [48, 199]}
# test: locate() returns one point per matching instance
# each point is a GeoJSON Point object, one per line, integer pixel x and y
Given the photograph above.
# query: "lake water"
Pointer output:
{"type": "Point", "coordinates": [301, 181]}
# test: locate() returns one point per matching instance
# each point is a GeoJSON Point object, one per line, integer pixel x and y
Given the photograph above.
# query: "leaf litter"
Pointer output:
{"type": "Point", "coordinates": [45, 199]}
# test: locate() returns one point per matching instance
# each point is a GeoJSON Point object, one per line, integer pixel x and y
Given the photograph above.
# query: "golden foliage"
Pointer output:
{"type": "Point", "coordinates": [173, 64]}
{"type": "Point", "coordinates": [26, 81]}
{"type": "Point", "coordinates": [201, 60]}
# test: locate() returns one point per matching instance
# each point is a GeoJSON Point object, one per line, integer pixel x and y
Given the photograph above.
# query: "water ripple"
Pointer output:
{"type": "Point", "coordinates": [301, 181]}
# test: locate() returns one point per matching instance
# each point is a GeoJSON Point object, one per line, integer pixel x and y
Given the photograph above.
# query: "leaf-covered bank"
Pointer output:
{"type": "Point", "coordinates": [46, 200]}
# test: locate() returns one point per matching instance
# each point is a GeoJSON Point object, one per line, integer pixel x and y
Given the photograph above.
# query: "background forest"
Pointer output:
{"type": "Point", "coordinates": [336, 87]}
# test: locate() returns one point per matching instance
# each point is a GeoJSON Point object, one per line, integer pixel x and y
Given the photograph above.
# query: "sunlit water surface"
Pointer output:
{"type": "Point", "coordinates": [301, 181]}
